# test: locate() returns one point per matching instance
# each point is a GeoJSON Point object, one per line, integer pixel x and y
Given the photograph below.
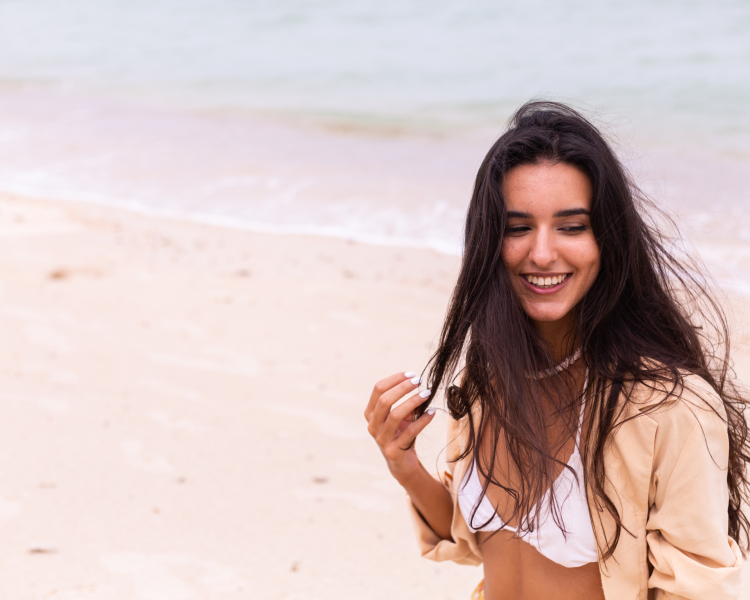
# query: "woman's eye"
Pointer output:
{"type": "Point", "coordinates": [574, 228]}
{"type": "Point", "coordinates": [517, 229]}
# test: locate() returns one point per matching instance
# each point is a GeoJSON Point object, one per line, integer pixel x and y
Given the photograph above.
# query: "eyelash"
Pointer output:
{"type": "Point", "coordinates": [521, 229]}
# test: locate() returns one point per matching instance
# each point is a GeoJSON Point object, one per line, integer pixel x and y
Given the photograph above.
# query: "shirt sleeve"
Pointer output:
{"type": "Point", "coordinates": [462, 548]}
{"type": "Point", "coordinates": [689, 551]}
{"type": "Point", "coordinates": [459, 549]}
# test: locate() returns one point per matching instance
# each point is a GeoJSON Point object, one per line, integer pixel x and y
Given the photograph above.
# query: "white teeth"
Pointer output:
{"type": "Point", "coordinates": [545, 282]}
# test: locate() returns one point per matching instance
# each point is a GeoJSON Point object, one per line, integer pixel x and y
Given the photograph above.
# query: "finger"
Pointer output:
{"type": "Point", "coordinates": [406, 440]}
{"type": "Point", "coordinates": [389, 429]}
{"type": "Point", "coordinates": [384, 385]}
{"type": "Point", "coordinates": [385, 403]}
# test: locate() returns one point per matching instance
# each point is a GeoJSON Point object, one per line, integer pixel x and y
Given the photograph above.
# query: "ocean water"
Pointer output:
{"type": "Point", "coordinates": [365, 119]}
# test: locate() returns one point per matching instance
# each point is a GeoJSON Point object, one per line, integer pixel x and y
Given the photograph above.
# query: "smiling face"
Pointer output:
{"type": "Point", "coordinates": [549, 248]}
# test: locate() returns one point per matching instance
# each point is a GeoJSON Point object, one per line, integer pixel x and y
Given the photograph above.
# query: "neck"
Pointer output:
{"type": "Point", "coordinates": [559, 337]}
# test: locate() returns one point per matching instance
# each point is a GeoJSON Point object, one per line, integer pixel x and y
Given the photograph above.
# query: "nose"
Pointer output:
{"type": "Point", "coordinates": [543, 252]}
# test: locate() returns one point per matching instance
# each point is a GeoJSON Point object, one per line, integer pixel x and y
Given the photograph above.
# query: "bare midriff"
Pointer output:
{"type": "Point", "coordinates": [515, 570]}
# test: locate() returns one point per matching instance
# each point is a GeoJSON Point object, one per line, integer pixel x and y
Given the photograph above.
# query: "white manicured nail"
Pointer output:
{"type": "Point", "coordinates": [424, 393]}
{"type": "Point", "coordinates": [431, 411]}
{"type": "Point", "coordinates": [409, 374]}
{"type": "Point", "coordinates": [416, 380]}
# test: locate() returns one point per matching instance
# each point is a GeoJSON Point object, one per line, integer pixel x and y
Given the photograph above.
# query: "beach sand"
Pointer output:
{"type": "Point", "coordinates": [182, 410]}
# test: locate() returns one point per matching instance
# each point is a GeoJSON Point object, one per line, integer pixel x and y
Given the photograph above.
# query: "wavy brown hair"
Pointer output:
{"type": "Point", "coordinates": [650, 317]}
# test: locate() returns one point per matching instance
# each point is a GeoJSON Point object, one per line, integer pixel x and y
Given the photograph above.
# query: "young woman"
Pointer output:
{"type": "Point", "coordinates": [597, 447]}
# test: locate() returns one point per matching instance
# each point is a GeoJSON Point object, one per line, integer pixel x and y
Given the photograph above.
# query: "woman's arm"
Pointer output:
{"type": "Point", "coordinates": [431, 500]}
{"type": "Point", "coordinates": [395, 433]}
{"type": "Point", "coordinates": [688, 546]}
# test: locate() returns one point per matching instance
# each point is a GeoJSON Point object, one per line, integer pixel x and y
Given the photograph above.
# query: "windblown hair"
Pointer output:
{"type": "Point", "coordinates": [650, 318]}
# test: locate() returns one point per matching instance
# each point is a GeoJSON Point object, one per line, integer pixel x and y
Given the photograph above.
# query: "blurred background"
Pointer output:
{"type": "Point", "coordinates": [357, 118]}
{"type": "Point", "coordinates": [222, 221]}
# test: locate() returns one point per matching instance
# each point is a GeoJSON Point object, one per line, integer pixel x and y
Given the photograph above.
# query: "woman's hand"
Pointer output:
{"type": "Point", "coordinates": [394, 432]}
{"type": "Point", "coordinates": [394, 429]}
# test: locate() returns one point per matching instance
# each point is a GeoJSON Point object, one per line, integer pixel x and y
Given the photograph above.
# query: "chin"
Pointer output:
{"type": "Point", "coordinates": [547, 315]}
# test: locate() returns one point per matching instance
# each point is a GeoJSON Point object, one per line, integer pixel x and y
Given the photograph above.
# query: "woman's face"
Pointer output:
{"type": "Point", "coordinates": [549, 248]}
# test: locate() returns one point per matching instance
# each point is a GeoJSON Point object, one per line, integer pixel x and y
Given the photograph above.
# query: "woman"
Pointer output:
{"type": "Point", "coordinates": [597, 448]}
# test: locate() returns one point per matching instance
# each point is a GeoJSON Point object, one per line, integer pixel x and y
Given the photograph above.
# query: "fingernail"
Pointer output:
{"type": "Point", "coordinates": [431, 411]}
{"type": "Point", "coordinates": [424, 393]}
{"type": "Point", "coordinates": [416, 380]}
{"type": "Point", "coordinates": [409, 374]}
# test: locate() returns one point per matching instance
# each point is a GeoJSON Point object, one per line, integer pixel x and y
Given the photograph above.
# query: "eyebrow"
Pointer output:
{"type": "Point", "coordinates": [568, 212]}
{"type": "Point", "coordinates": [572, 212]}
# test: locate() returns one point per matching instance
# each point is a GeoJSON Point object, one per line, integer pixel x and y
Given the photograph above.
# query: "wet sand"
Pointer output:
{"type": "Point", "coordinates": [182, 410]}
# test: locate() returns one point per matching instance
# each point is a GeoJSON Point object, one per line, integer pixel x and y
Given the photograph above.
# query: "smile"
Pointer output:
{"type": "Point", "coordinates": [546, 283]}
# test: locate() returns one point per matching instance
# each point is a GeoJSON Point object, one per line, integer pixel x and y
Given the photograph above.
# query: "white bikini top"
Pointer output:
{"type": "Point", "coordinates": [577, 546]}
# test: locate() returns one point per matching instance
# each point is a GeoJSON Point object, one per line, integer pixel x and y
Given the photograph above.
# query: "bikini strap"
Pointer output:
{"type": "Point", "coordinates": [583, 408]}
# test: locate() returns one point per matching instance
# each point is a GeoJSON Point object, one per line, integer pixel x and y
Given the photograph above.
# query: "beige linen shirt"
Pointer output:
{"type": "Point", "coordinates": [666, 471]}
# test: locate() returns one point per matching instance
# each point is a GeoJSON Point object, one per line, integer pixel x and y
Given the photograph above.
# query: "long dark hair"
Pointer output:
{"type": "Point", "coordinates": [649, 318]}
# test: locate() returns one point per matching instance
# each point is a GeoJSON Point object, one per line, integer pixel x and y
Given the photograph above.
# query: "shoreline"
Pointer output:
{"type": "Point", "coordinates": [264, 174]}
{"type": "Point", "coordinates": [236, 223]}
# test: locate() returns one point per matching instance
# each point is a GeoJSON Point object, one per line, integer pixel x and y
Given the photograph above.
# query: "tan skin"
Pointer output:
{"type": "Point", "coordinates": [548, 235]}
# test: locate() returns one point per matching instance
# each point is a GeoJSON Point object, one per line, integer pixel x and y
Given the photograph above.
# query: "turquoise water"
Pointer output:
{"type": "Point", "coordinates": [362, 119]}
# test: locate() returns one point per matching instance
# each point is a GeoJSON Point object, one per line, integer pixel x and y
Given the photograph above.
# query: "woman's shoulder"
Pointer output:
{"type": "Point", "coordinates": [680, 405]}
{"type": "Point", "coordinates": [682, 391]}
{"type": "Point", "coordinates": [668, 421]}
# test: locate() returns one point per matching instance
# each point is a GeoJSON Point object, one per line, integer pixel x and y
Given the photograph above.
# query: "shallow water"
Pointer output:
{"type": "Point", "coordinates": [362, 119]}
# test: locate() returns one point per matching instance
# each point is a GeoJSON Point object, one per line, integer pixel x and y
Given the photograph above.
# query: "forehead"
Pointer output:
{"type": "Point", "coordinates": [544, 189]}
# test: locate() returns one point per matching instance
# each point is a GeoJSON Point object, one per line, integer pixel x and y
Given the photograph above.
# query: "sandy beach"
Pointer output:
{"type": "Point", "coordinates": [222, 222]}
{"type": "Point", "coordinates": [182, 410]}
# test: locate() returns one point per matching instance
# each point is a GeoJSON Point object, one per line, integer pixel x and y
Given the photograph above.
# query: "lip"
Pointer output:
{"type": "Point", "coordinates": [546, 291]}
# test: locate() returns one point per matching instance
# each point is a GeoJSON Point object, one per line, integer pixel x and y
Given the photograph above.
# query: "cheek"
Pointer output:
{"type": "Point", "coordinates": [512, 253]}
{"type": "Point", "coordinates": [592, 264]}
